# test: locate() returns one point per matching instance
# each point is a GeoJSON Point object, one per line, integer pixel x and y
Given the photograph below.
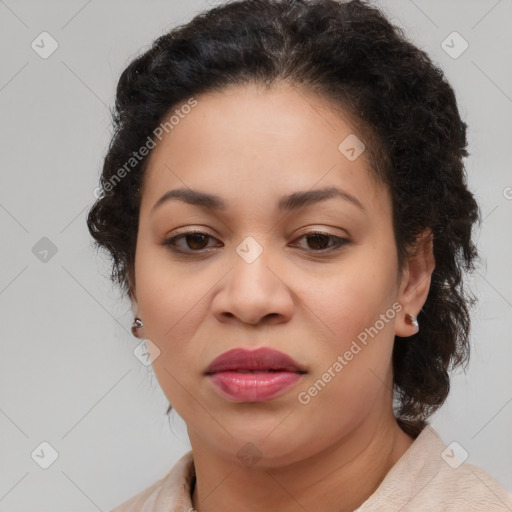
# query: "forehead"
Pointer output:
{"type": "Point", "coordinates": [248, 142]}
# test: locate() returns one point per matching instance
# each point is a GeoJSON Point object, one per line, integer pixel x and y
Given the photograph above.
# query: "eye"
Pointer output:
{"type": "Point", "coordinates": [195, 240]}
{"type": "Point", "coordinates": [319, 239]}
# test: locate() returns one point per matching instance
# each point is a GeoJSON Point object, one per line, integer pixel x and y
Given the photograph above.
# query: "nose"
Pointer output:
{"type": "Point", "coordinates": [254, 293]}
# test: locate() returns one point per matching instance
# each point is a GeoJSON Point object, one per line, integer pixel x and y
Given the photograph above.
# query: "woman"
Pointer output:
{"type": "Point", "coordinates": [286, 206]}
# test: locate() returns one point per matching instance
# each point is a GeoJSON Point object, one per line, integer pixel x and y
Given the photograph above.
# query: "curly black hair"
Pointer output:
{"type": "Point", "coordinates": [352, 56]}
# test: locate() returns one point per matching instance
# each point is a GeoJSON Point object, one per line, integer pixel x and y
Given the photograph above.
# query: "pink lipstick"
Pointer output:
{"type": "Point", "coordinates": [259, 375]}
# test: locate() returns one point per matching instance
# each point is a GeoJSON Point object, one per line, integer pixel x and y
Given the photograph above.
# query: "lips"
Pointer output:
{"type": "Point", "coordinates": [260, 375]}
{"type": "Point", "coordinates": [254, 361]}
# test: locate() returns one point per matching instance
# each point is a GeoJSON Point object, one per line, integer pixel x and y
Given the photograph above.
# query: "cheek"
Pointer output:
{"type": "Point", "coordinates": [166, 292]}
{"type": "Point", "coordinates": [168, 303]}
{"type": "Point", "coordinates": [171, 308]}
{"type": "Point", "coordinates": [352, 299]}
{"type": "Point", "coordinates": [353, 363]}
{"type": "Point", "coordinates": [357, 324]}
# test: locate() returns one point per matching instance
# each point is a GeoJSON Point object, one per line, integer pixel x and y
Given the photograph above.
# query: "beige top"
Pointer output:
{"type": "Point", "coordinates": [428, 476]}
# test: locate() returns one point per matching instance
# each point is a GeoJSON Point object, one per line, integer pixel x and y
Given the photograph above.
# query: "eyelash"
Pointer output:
{"type": "Point", "coordinates": [171, 242]}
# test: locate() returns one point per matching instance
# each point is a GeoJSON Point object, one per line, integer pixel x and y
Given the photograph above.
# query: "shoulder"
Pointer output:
{"type": "Point", "coordinates": [173, 490]}
{"type": "Point", "coordinates": [469, 487]}
{"type": "Point", "coordinates": [430, 476]}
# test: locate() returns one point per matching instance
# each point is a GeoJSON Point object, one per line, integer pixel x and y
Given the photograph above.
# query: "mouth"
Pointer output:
{"type": "Point", "coordinates": [260, 360]}
{"type": "Point", "coordinates": [253, 386]}
{"type": "Point", "coordinates": [260, 375]}
{"type": "Point", "coordinates": [270, 370]}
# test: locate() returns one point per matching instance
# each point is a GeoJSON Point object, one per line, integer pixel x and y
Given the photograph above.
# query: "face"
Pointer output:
{"type": "Point", "coordinates": [260, 275]}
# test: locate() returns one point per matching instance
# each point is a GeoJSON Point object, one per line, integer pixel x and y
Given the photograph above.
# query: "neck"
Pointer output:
{"type": "Point", "coordinates": [337, 479]}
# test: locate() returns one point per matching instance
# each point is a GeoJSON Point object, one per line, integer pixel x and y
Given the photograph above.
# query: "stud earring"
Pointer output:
{"type": "Point", "coordinates": [137, 324]}
{"type": "Point", "coordinates": [411, 319]}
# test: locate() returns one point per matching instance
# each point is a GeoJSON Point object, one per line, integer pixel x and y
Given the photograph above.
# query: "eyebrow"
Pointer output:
{"type": "Point", "coordinates": [290, 202]}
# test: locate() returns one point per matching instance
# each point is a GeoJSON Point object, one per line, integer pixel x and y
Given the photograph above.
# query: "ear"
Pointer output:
{"type": "Point", "coordinates": [415, 282]}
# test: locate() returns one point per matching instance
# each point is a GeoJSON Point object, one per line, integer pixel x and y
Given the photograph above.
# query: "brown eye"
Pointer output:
{"type": "Point", "coordinates": [195, 241]}
{"type": "Point", "coordinates": [318, 241]}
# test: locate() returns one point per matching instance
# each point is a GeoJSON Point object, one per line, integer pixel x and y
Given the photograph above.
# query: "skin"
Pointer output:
{"type": "Point", "coordinates": [251, 146]}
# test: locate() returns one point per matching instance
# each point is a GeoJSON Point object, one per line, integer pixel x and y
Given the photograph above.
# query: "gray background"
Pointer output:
{"type": "Point", "coordinates": [68, 373]}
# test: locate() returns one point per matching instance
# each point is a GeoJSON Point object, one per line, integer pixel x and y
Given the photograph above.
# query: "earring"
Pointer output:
{"type": "Point", "coordinates": [137, 324]}
{"type": "Point", "coordinates": [411, 319]}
